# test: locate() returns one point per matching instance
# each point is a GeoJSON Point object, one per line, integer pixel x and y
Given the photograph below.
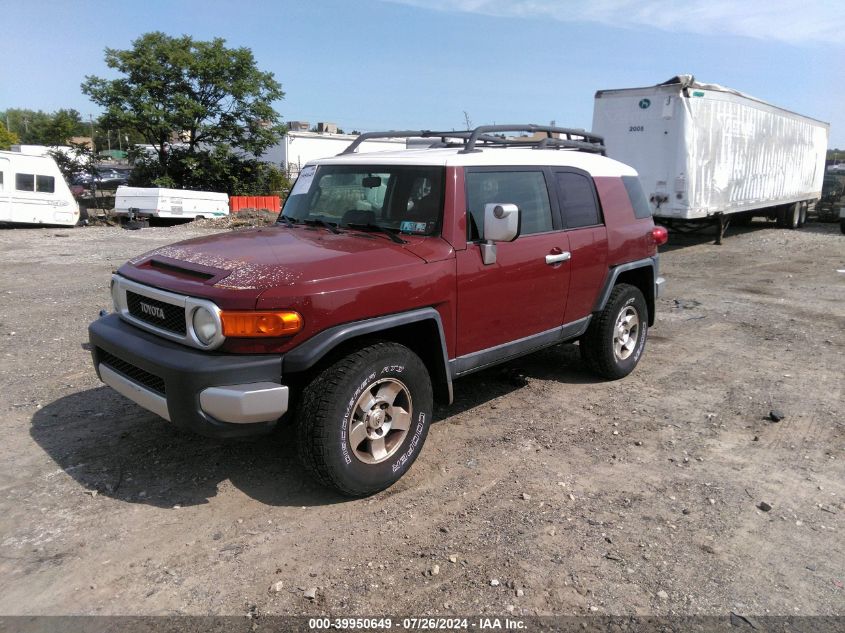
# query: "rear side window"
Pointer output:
{"type": "Point", "coordinates": [577, 200]}
{"type": "Point", "coordinates": [642, 208]}
{"type": "Point", "coordinates": [25, 182]}
{"type": "Point", "coordinates": [526, 189]}
{"type": "Point", "coordinates": [1, 181]}
{"type": "Point", "coordinates": [45, 184]}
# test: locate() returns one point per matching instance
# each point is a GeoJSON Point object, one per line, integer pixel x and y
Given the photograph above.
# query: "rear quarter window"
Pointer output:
{"type": "Point", "coordinates": [642, 208]}
{"type": "Point", "coordinates": [577, 200]}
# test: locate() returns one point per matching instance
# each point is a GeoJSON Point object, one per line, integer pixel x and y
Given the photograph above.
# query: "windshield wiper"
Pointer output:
{"type": "Point", "coordinates": [321, 222]}
{"type": "Point", "coordinates": [286, 220]}
{"type": "Point", "coordinates": [377, 229]}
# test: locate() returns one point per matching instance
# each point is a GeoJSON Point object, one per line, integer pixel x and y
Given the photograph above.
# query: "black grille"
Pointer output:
{"type": "Point", "coordinates": [135, 374]}
{"type": "Point", "coordinates": [164, 315]}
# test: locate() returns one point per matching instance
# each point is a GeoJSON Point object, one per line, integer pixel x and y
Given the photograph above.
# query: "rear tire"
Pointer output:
{"type": "Point", "coordinates": [802, 220]}
{"type": "Point", "coordinates": [615, 340]}
{"type": "Point", "coordinates": [362, 420]}
{"type": "Point", "coordinates": [789, 216]}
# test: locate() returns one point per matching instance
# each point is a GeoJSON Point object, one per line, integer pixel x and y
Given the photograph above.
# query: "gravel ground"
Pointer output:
{"type": "Point", "coordinates": [540, 491]}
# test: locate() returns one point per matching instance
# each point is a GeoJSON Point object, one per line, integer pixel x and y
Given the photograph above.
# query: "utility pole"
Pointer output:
{"type": "Point", "coordinates": [92, 164]}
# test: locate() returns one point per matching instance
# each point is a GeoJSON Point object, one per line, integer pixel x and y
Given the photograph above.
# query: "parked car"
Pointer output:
{"type": "Point", "coordinates": [107, 178]}
{"type": "Point", "coordinates": [387, 276]}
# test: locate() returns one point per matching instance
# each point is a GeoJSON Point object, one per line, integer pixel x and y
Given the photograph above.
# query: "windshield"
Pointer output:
{"type": "Point", "coordinates": [397, 198]}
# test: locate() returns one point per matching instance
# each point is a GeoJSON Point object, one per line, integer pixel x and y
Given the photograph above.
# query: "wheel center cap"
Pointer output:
{"type": "Point", "coordinates": [376, 419]}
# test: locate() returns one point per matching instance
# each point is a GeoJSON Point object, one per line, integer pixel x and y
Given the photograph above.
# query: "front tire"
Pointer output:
{"type": "Point", "coordinates": [362, 420]}
{"type": "Point", "coordinates": [615, 340]}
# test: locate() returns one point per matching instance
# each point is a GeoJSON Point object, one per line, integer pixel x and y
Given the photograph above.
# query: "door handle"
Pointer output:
{"type": "Point", "coordinates": [557, 259]}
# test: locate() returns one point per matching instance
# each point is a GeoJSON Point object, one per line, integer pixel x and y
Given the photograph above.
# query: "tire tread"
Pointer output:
{"type": "Point", "coordinates": [592, 351]}
{"type": "Point", "coordinates": [314, 423]}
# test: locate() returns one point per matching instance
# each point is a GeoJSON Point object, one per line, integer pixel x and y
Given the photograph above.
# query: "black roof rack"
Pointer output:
{"type": "Point", "coordinates": [493, 136]}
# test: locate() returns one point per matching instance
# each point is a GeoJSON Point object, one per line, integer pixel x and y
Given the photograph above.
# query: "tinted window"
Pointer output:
{"type": "Point", "coordinates": [577, 200]}
{"type": "Point", "coordinates": [1, 181]}
{"type": "Point", "coordinates": [25, 182]}
{"type": "Point", "coordinates": [642, 208]}
{"type": "Point", "coordinates": [45, 184]}
{"type": "Point", "coordinates": [526, 189]}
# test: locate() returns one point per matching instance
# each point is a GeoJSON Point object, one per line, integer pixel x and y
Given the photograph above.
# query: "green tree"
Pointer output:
{"type": "Point", "coordinates": [7, 138]}
{"type": "Point", "coordinates": [203, 94]}
{"type": "Point", "coordinates": [217, 169]}
{"type": "Point", "coordinates": [35, 127]}
{"type": "Point", "coordinates": [62, 125]}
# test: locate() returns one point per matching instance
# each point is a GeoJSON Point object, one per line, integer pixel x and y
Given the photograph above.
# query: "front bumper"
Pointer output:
{"type": "Point", "coordinates": [213, 394]}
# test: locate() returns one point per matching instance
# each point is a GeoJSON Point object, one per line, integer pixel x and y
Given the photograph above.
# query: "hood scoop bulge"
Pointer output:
{"type": "Point", "coordinates": [184, 270]}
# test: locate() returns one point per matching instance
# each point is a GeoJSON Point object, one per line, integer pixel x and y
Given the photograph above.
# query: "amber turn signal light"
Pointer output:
{"type": "Point", "coordinates": [260, 324]}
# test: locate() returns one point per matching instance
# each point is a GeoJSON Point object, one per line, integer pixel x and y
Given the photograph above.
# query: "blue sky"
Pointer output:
{"type": "Point", "coordinates": [384, 64]}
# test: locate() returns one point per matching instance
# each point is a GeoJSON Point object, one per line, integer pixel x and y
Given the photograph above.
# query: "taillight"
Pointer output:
{"type": "Point", "coordinates": [660, 235]}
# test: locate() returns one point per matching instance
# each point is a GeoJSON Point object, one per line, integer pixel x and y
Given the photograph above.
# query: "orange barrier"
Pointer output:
{"type": "Point", "coordinates": [268, 203]}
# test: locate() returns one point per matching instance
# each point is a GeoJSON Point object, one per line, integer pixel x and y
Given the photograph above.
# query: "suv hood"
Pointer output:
{"type": "Point", "coordinates": [257, 259]}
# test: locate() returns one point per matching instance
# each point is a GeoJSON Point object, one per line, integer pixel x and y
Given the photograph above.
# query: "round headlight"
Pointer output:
{"type": "Point", "coordinates": [205, 325]}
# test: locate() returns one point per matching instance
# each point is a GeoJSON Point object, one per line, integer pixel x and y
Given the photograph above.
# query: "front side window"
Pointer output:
{"type": "Point", "coordinates": [398, 198]}
{"type": "Point", "coordinates": [25, 182]}
{"type": "Point", "coordinates": [526, 189]}
{"type": "Point", "coordinates": [45, 184]}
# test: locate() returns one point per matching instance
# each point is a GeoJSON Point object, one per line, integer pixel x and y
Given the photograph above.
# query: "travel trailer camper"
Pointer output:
{"type": "Point", "coordinates": [33, 191]}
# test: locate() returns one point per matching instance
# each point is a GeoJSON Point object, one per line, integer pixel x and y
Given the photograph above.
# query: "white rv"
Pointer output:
{"type": "Point", "coordinates": [704, 151]}
{"type": "Point", "coordinates": [33, 191]}
{"type": "Point", "coordinates": [170, 203]}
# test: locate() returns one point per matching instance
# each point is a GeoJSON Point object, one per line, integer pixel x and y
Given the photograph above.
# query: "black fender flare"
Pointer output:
{"type": "Point", "coordinates": [310, 352]}
{"type": "Point", "coordinates": [651, 263]}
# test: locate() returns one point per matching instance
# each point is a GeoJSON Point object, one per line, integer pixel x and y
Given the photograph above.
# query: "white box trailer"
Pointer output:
{"type": "Point", "coordinates": [295, 149]}
{"type": "Point", "coordinates": [707, 152]}
{"type": "Point", "coordinates": [170, 203]}
{"type": "Point", "coordinates": [33, 191]}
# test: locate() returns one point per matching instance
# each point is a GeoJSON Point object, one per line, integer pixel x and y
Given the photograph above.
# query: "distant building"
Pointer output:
{"type": "Point", "coordinates": [327, 128]}
{"type": "Point", "coordinates": [82, 140]}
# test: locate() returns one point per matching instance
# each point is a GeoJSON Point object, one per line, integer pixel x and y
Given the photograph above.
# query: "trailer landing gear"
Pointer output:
{"type": "Point", "coordinates": [721, 226]}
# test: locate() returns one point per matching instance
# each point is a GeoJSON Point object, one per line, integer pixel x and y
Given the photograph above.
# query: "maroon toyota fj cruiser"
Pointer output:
{"type": "Point", "coordinates": [387, 276]}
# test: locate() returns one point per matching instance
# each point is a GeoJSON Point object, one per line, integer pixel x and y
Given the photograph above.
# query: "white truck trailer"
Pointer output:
{"type": "Point", "coordinates": [33, 191]}
{"type": "Point", "coordinates": [709, 153]}
{"type": "Point", "coordinates": [170, 203]}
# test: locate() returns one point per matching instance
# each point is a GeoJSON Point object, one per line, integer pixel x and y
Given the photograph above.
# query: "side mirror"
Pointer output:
{"type": "Point", "coordinates": [501, 224]}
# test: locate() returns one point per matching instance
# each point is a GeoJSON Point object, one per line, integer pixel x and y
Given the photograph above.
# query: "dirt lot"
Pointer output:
{"type": "Point", "coordinates": [540, 491]}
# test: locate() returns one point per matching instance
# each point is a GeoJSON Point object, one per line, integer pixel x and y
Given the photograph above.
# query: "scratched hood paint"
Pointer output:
{"type": "Point", "coordinates": [257, 259]}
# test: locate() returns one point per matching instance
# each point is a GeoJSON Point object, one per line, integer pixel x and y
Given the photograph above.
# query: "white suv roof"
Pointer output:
{"type": "Point", "coordinates": [594, 164]}
{"type": "Point", "coordinates": [486, 146]}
